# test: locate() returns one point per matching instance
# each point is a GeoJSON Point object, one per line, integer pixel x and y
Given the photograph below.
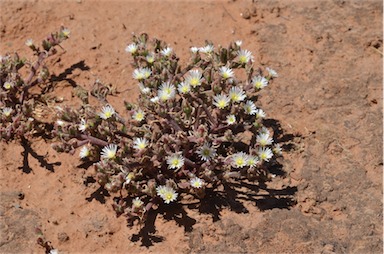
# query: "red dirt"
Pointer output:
{"type": "Point", "coordinates": [327, 100]}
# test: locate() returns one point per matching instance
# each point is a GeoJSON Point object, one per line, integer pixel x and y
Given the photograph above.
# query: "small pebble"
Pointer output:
{"type": "Point", "coordinates": [21, 195]}
{"type": "Point", "coordinates": [245, 14]}
{"type": "Point", "coordinates": [63, 237]}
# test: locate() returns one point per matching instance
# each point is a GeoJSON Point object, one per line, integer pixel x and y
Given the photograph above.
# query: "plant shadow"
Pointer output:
{"type": "Point", "coordinates": [28, 150]}
{"type": "Point", "coordinates": [175, 213]}
{"type": "Point", "coordinates": [98, 194]}
{"type": "Point", "coordinates": [63, 76]}
{"type": "Point", "coordinates": [147, 233]}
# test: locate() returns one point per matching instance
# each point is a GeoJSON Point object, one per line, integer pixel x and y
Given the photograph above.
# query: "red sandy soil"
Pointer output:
{"type": "Point", "coordinates": [326, 197]}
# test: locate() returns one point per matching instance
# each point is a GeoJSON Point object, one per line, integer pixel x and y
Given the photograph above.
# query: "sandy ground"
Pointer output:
{"type": "Point", "coordinates": [326, 197]}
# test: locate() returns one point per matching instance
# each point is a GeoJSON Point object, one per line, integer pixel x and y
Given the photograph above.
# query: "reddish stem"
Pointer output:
{"type": "Point", "coordinates": [34, 68]}
{"type": "Point", "coordinates": [93, 140]}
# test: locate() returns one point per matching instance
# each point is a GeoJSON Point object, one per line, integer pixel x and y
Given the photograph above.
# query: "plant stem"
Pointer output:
{"type": "Point", "coordinates": [34, 68]}
{"type": "Point", "coordinates": [93, 140]}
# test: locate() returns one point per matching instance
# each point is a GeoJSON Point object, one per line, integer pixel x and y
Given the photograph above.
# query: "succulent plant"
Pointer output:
{"type": "Point", "coordinates": [192, 129]}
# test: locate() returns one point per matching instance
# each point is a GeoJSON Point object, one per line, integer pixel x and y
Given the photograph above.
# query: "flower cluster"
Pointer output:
{"type": "Point", "coordinates": [192, 129]}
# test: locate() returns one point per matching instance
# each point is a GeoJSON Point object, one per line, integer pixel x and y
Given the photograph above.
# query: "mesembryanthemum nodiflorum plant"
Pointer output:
{"type": "Point", "coordinates": [191, 129]}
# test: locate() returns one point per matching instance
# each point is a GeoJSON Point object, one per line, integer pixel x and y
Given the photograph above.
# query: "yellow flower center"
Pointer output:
{"type": "Point", "coordinates": [175, 162]}
{"type": "Point", "coordinates": [168, 196]}
{"type": "Point", "coordinates": [150, 59]}
{"type": "Point", "coordinates": [130, 176]}
{"type": "Point", "coordinates": [206, 152]}
{"type": "Point", "coordinates": [141, 145]}
{"type": "Point", "coordinates": [222, 104]}
{"type": "Point", "coordinates": [242, 59]}
{"type": "Point", "coordinates": [239, 161]}
{"type": "Point", "coordinates": [258, 84]}
{"type": "Point", "coordinates": [194, 82]}
{"type": "Point", "coordinates": [139, 116]}
{"type": "Point", "coordinates": [108, 114]}
{"type": "Point", "coordinates": [263, 156]}
{"type": "Point", "coordinates": [185, 89]}
{"type": "Point", "coordinates": [196, 184]}
{"type": "Point", "coordinates": [235, 97]}
{"type": "Point", "coordinates": [111, 154]}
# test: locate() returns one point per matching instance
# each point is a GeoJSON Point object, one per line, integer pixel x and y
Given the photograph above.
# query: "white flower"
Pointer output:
{"type": "Point", "coordinates": [155, 99]}
{"type": "Point", "coordinates": [260, 113]}
{"type": "Point", "coordinates": [244, 56]}
{"type": "Point", "coordinates": [265, 153]}
{"type": "Point", "coordinates": [109, 152]}
{"type": "Point", "coordinates": [7, 111]}
{"type": "Point", "coordinates": [60, 122]}
{"type": "Point", "coordinates": [277, 149]}
{"type": "Point", "coordinates": [129, 177]}
{"type": "Point", "coordinates": [4, 58]}
{"type": "Point", "coordinates": [272, 73]}
{"type": "Point", "coordinates": [236, 94]}
{"type": "Point", "coordinates": [140, 143]}
{"type": "Point", "coordinates": [231, 119]}
{"type": "Point", "coordinates": [194, 78]}
{"type": "Point", "coordinates": [147, 72]}
{"type": "Point", "coordinates": [137, 203]}
{"type": "Point", "coordinates": [29, 43]}
{"type": "Point", "coordinates": [252, 160]}
{"type": "Point", "coordinates": [207, 49]}
{"type": "Point", "coordinates": [8, 85]}
{"type": "Point", "coordinates": [196, 182]}
{"type": "Point", "coordinates": [83, 125]}
{"type": "Point", "coordinates": [150, 58]}
{"type": "Point", "coordinates": [250, 108]}
{"type": "Point", "coordinates": [141, 73]}
{"type": "Point", "coordinates": [264, 130]}
{"type": "Point", "coordinates": [206, 152]}
{"type": "Point", "coordinates": [160, 190]}
{"type": "Point", "coordinates": [239, 160]}
{"type": "Point", "coordinates": [259, 82]}
{"type": "Point", "coordinates": [144, 89]}
{"type": "Point", "coordinates": [131, 48]}
{"type": "Point", "coordinates": [238, 43]}
{"type": "Point", "coordinates": [107, 112]}
{"type": "Point", "coordinates": [221, 101]}
{"type": "Point", "coordinates": [138, 74]}
{"type": "Point", "coordinates": [184, 88]}
{"type": "Point", "coordinates": [166, 51]}
{"type": "Point", "coordinates": [53, 251]}
{"type": "Point", "coordinates": [166, 91]}
{"type": "Point", "coordinates": [138, 115]}
{"type": "Point", "coordinates": [175, 161]}
{"type": "Point", "coordinates": [226, 72]}
{"type": "Point", "coordinates": [194, 50]}
{"type": "Point", "coordinates": [84, 152]}
{"type": "Point", "coordinates": [65, 32]}
{"type": "Point", "coordinates": [263, 139]}
{"type": "Point", "coordinates": [166, 193]}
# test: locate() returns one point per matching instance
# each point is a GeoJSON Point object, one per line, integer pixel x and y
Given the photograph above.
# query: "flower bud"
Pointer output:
{"type": "Point", "coordinates": [30, 44]}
